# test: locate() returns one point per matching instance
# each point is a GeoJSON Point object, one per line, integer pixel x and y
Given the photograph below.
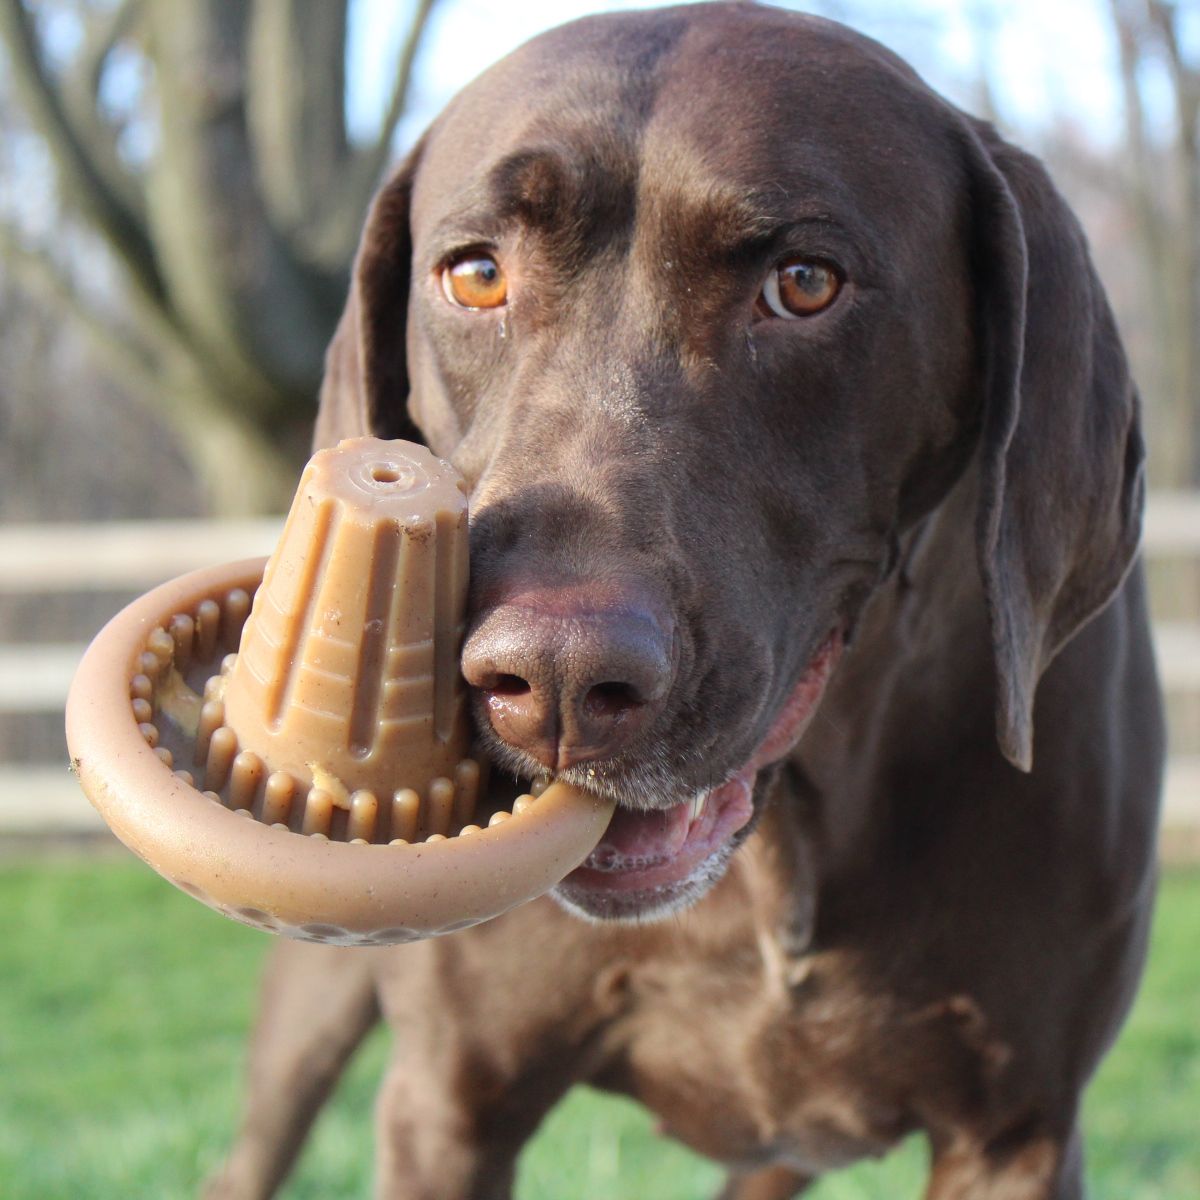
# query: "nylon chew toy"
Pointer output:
{"type": "Point", "coordinates": [316, 783]}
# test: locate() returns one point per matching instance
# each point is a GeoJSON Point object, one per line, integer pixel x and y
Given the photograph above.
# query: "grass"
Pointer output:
{"type": "Point", "coordinates": [123, 1014]}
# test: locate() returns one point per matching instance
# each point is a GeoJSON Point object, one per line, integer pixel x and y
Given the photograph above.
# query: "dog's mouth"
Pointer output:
{"type": "Point", "coordinates": [653, 862]}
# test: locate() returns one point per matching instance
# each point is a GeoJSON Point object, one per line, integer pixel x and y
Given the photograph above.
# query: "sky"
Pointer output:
{"type": "Point", "coordinates": [1045, 56]}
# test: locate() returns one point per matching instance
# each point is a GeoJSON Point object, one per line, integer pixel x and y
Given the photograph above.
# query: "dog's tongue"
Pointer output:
{"type": "Point", "coordinates": [648, 836]}
{"type": "Point", "coordinates": [669, 842]}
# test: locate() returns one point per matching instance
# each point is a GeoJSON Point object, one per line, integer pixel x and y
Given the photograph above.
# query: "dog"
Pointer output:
{"type": "Point", "coordinates": [806, 479]}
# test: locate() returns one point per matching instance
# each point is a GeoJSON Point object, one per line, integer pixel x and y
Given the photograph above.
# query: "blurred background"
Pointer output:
{"type": "Point", "coordinates": [182, 183]}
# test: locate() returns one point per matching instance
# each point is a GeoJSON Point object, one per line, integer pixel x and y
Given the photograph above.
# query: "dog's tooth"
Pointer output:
{"type": "Point", "coordinates": [698, 803]}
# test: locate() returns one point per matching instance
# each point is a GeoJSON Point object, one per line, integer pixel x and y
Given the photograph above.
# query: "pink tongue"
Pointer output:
{"type": "Point", "coordinates": [646, 835]}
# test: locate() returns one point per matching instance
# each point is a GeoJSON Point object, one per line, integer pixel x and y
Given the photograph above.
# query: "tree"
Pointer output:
{"type": "Point", "coordinates": [225, 187]}
{"type": "Point", "coordinates": [1163, 182]}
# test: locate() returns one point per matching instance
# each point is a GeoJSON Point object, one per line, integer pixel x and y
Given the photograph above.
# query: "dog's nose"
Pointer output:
{"type": "Point", "coordinates": [567, 685]}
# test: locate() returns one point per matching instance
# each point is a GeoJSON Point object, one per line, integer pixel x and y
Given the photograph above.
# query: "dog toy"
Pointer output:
{"type": "Point", "coordinates": [290, 745]}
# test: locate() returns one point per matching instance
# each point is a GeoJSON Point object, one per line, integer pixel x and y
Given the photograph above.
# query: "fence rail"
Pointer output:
{"type": "Point", "coordinates": [125, 556]}
{"type": "Point", "coordinates": [134, 554]}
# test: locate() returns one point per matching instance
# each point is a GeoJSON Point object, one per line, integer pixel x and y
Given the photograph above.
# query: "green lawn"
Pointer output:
{"type": "Point", "coordinates": [124, 1007]}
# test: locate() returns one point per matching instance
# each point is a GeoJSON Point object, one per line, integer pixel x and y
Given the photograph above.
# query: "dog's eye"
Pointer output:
{"type": "Point", "coordinates": [799, 287]}
{"type": "Point", "coordinates": [474, 280]}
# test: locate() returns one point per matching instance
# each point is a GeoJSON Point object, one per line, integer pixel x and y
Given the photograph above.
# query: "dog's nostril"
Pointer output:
{"type": "Point", "coordinates": [611, 699]}
{"type": "Point", "coordinates": [509, 685]}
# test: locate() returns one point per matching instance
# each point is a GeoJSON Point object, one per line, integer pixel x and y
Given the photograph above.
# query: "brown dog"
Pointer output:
{"type": "Point", "coordinates": [750, 345]}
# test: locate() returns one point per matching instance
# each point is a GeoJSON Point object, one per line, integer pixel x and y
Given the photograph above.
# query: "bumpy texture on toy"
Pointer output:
{"type": "Point", "coordinates": [316, 783]}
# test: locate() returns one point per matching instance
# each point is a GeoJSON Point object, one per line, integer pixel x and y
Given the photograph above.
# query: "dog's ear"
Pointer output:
{"type": "Point", "coordinates": [365, 388]}
{"type": "Point", "coordinates": [1061, 470]}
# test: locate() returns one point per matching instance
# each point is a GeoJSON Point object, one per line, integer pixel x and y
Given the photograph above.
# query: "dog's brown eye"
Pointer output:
{"type": "Point", "coordinates": [799, 287]}
{"type": "Point", "coordinates": [474, 280]}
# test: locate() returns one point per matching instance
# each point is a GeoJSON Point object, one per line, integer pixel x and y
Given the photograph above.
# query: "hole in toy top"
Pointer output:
{"type": "Point", "coordinates": [386, 473]}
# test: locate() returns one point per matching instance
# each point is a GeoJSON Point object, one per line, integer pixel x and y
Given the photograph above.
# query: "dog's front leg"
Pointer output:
{"type": "Point", "coordinates": [317, 1004]}
{"type": "Point", "coordinates": [433, 1146]}
{"type": "Point", "coordinates": [1038, 1167]}
{"type": "Point", "coordinates": [454, 1130]}
{"type": "Point", "coordinates": [492, 1026]}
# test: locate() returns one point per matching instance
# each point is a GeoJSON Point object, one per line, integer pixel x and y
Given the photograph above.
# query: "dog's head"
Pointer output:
{"type": "Point", "coordinates": [709, 305]}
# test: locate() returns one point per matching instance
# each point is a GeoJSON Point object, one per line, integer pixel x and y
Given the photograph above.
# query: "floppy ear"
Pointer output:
{"type": "Point", "coordinates": [1061, 484]}
{"type": "Point", "coordinates": [365, 388]}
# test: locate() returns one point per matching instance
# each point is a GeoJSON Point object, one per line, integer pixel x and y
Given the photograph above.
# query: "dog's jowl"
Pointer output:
{"type": "Point", "coordinates": [806, 481]}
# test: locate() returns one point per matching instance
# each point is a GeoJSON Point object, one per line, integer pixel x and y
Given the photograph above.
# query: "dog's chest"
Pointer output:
{"type": "Point", "coordinates": [749, 1067]}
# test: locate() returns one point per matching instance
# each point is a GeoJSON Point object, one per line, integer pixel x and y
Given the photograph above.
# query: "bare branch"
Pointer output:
{"type": "Point", "coordinates": [1146, 199]}
{"type": "Point", "coordinates": [295, 106]}
{"type": "Point", "coordinates": [1163, 182]}
{"type": "Point", "coordinates": [244, 468]}
{"type": "Point", "coordinates": [103, 34]}
{"type": "Point", "coordinates": [400, 89]}
{"type": "Point", "coordinates": [158, 350]}
{"type": "Point", "coordinates": [1185, 82]}
{"type": "Point", "coordinates": [81, 90]}
{"type": "Point", "coordinates": [40, 274]}
{"type": "Point", "coordinates": [371, 163]}
{"type": "Point", "coordinates": [83, 178]}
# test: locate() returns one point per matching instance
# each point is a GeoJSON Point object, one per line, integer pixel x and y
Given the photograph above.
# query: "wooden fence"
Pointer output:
{"type": "Point", "coordinates": [40, 560]}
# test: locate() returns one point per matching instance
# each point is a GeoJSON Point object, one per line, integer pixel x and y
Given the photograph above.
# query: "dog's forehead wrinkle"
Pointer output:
{"type": "Point", "coordinates": [589, 88]}
{"type": "Point", "coordinates": [575, 191]}
{"type": "Point", "coordinates": [729, 196]}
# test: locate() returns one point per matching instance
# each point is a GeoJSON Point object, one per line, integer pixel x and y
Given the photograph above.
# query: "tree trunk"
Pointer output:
{"type": "Point", "coordinates": [234, 237]}
{"type": "Point", "coordinates": [257, 315]}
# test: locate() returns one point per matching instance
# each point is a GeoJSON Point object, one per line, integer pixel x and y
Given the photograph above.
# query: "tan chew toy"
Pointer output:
{"type": "Point", "coordinates": [316, 782]}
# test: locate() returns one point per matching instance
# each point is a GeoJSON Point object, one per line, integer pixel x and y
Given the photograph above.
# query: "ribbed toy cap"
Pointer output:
{"type": "Point", "coordinates": [348, 666]}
